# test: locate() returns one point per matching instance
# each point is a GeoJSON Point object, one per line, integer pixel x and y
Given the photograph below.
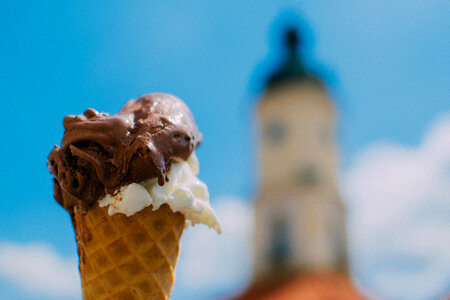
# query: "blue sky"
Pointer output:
{"type": "Point", "coordinates": [387, 66]}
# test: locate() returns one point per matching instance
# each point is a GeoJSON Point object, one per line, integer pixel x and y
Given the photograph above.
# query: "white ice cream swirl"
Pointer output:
{"type": "Point", "coordinates": [184, 193]}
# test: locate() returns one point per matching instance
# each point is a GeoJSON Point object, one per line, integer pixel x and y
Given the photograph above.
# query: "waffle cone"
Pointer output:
{"type": "Point", "coordinates": [128, 257]}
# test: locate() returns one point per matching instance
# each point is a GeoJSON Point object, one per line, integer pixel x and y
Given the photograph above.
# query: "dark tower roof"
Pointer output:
{"type": "Point", "coordinates": [292, 68]}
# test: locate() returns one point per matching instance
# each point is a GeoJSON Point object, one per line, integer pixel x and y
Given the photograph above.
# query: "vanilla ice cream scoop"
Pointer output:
{"type": "Point", "coordinates": [184, 193]}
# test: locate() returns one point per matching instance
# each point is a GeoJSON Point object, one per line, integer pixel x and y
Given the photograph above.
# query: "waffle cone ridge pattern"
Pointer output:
{"type": "Point", "coordinates": [128, 257]}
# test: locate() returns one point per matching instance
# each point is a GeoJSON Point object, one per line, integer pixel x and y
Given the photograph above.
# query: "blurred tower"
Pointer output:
{"type": "Point", "coordinates": [300, 220]}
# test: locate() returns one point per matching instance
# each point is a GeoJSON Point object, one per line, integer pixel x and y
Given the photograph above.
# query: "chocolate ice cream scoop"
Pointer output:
{"type": "Point", "coordinates": [100, 153]}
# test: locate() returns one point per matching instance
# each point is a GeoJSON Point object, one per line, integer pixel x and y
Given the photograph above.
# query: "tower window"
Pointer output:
{"type": "Point", "coordinates": [275, 132]}
{"type": "Point", "coordinates": [307, 175]}
{"type": "Point", "coordinates": [280, 245]}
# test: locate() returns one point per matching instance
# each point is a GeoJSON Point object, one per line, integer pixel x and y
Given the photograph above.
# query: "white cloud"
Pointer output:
{"type": "Point", "coordinates": [39, 269]}
{"type": "Point", "coordinates": [211, 264]}
{"type": "Point", "coordinates": [399, 216]}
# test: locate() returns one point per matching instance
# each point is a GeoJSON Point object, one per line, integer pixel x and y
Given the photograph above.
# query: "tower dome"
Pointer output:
{"type": "Point", "coordinates": [292, 68]}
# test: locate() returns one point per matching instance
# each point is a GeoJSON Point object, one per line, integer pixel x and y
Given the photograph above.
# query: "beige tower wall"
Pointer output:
{"type": "Point", "coordinates": [298, 180]}
{"type": "Point", "coordinates": [308, 118]}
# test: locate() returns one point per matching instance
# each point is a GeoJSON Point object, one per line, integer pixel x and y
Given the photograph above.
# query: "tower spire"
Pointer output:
{"type": "Point", "coordinates": [292, 67]}
{"type": "Point", "coordinates": [292, 42]}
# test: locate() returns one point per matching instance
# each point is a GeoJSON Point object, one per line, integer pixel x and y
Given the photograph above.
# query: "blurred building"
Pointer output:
{"type": "Point", "coordinates": [300, 236]}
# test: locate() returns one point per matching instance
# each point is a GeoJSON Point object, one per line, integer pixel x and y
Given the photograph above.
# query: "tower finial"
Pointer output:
{"type": "Point", "coordinates": [292, 42]}
{"type": "Point", "coordinates": [291, 38]}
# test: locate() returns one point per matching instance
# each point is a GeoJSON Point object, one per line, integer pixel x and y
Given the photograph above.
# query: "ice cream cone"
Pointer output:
{"type": "Point", "coordinates": [128, 257]}
{"type": "Point", "coordinates": [109, 174]}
